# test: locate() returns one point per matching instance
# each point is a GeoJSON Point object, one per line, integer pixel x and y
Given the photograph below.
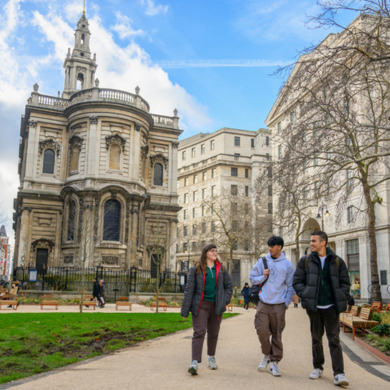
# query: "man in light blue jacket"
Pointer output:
{"type": "Point", "coordinates": [274, 298]}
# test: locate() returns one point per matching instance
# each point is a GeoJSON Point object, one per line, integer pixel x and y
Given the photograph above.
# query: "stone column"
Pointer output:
{"type": "Point", "coordinates": [135, 153]}
{"type": "Point", "coordinates": [24, 245]}
{"type": "Point", "coordinates": [92, 160]}
{"type": "Point", "coordinates": [32, 150]}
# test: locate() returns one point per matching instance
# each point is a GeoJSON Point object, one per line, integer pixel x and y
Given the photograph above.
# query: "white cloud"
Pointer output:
{"type": "Point", "coordinates": [124, 29]}
{"type": "Point", "coordinates": [152, 9]}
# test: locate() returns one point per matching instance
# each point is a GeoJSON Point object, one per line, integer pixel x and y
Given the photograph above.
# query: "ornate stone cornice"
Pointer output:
{"type": "Point", "coordinates": [49, 144]}
{"type": "Point", "coordinates": [159, 157]}
{"type": "Point", "coordinates": [93, 119]}
{"type": "Point", "coordinates": [137, 126]}
{"type": "Point", "coordinates": [32, 123]}
{"type": "Point", "coordinates": [175, 144]}
{"type": "Point", "coordinates": [76, 140]}
{"type": "Point", "coordinates": [115, 139]}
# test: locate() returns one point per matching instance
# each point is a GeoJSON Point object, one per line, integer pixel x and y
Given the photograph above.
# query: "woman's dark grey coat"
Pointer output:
{"type": "Point", "coordinates": [194, 292]}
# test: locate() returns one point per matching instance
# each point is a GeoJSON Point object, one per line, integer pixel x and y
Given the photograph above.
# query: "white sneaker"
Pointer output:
{"type": "Point", "coordinates": [193, 369]}
{"type": "Point", "coordinates": [263, 365]}
{"type": "Point", "coordinates": [316, 374]}
{"type": "Point", "coordinates": [274, 369]}
{"type": "Point", "coordinates": [341, 380]}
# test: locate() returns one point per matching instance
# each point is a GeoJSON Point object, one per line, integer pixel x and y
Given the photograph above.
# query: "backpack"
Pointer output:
{"type": "Point", "coordinates": [256, 288]}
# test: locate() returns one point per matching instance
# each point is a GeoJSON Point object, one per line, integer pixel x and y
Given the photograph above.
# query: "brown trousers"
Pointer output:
{"type": "Point", "coordinates": [206, 320]}
{"type": "Point", "coordinates": [269, 323]}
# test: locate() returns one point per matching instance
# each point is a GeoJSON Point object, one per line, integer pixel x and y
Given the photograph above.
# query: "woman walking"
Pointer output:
{"type": "Point", "coordinates": [208, 291]}
{"type": "Point", "coordinates": [245, 293]}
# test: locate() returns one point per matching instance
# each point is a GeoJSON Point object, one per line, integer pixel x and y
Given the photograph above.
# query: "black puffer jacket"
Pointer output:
{"type": "Point", "coordinates": [306, 283]}
{"type": "Point", "coordinates": [193, 294]}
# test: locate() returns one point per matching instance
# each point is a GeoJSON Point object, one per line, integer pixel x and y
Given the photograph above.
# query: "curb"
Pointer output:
{"type": "Point", "coordinates": [373, 350]}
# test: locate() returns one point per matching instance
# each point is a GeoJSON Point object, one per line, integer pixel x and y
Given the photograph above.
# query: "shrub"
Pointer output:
{"type": "Point", "coordinates": [382, 329]}
{"type": "Point", "coordinates": [385, 318]}
{"type": "Point", "coordinates": [377, 317]}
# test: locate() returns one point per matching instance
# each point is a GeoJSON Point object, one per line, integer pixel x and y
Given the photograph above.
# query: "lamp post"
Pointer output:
{"type": "Point", "coordinates": [322, 215]}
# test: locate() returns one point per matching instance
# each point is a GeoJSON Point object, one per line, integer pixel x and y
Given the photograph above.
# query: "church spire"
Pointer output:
{"type": "Point", "coordinates": [79, 67]}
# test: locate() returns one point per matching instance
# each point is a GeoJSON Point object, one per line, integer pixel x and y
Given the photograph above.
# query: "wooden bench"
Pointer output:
{"type": "Point", "coordinates": [88, 303]}
{"type": "Point", "coordinates": [229, 307]}
{"type": "Point", "coordinates": [376, 306]}
{"type": "Point", "coordinates": [161, 303]}
{"type": "Point", "coordinates": [9, 300]}
{"type": "Point", "coordinates": [124, 301]}
{"type": "Point", "coordinates": [363, 321]}
{"type": "Point", "coordinates": [386, 308]}
{"type": "Point", "coordinates": [48, 300]}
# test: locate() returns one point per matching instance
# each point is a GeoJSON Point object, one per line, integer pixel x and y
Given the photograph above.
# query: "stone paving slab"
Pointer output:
{"type": "Point", "coordinates": [162, 364]}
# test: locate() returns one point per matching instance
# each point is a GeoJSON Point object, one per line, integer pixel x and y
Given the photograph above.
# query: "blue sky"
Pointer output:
{"type": "Point", "coordinates": [210, 59]}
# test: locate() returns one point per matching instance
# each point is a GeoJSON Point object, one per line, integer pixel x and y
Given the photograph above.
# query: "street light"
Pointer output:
{"type": "Point", "coordinates": [322, 215]}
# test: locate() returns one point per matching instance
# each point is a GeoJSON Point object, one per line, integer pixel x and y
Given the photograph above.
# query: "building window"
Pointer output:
{"type": "Point", "coordinates": [158, 174]}
{"type": "Point", "coordinates": [234, 226]}
{"type": "Point", "coordinates": [185, 231]}
{"type": "Point", "coordinates": [178, 184]}
{"type": "Point", "coordinates": [212, 226]}
{"type": "Point", "coordinates": [212, 144]}
{"type": "Point", "coordinates": [246, 208]}
{"type": "Point", "coordinates": [305, 194]}
{"type": "Point", "coordinates": [71, 220]}
{"type": "Point", "coordinates": [202, 148]}
{"type": "Point", "coordinates": [194, 229]}
{"type": "Point", "coordinates": [267, 141]}
{"type": "Point", "coordinates": [234, 189]}
{"type": "Point", "coordinates": [111, 225]}
{"type": "Point", "coordinates": [292, 117]}
{"type": "Point", "coordinates": [279, 127]}
{"type": "Point", "coordinates": [186, 182]}
{"type": "Point", "coordinates": [203, 211]}
{"type": "Point", "coordinates": [213, 190]}
{"type": "Point", "coordinates": [195, 196]}
{"type": "Point", "coordinates": [193, 246]}
{"type": "Point", "coordinates": [233, 207]}
{"type": "Point", "coordinates": [280, 151]}
{"type": "Point", "coordinates": [204, 176]}
{"type": "Point", "coordinates": [195, 179]}
{"type": "Point", "coordinates": [316, 161]}
{"type": "Point", "coordinates": [203, 243]}
{"type": "Point", "coordinates": [269, 190]}
{"type": "Point", "coordinates": [269, 172]}
{"type": "Point", "coordinates": [193, 152]}
{"type": "Point", "coordinates": [234, 172]}
{"type": "Point", "coordinates": [247, 173]}
{"type": "Point", "coordinates": [212, 208]}
{"type": "Point", "coordinates": [48, 161]}
{"type": "Point", "coordinates": [349, 177]}
{"type": "Point", "coordinates": [204, 226]}
{"type": "Point", "coordinates": [214, 172]}
{"type": "Point", "coordinates": [115, 157]}
{"type": "Point", "coordinates": [185, 198]}
{"type": "Point", "coordinates": [350, 214]}
{"type": "Point", "coordinates": [252, 142]}
{"type": "Point", "coordinates": [204, 193]}
{"type": "Point", "coordinates": [269, 208]}
{"type": "Point", "coordinates": [194, 212]}
{"type": "Point", "coordinates": [185, 215]}
{"type": "Point", "coordinates": [183, 155]}
{"type": "Point", "coordinates": [246, 191]}
{"type": "Point", "coordinates": [267, 156]}
{"type": "Point", "coordinates": [234, 246]}
{"type": "Point", "coordinates": [236, 141]}
{"type": "Point", "coordinates": [236, 156]}
{"type": "Point", "coordinates": [185, 247]}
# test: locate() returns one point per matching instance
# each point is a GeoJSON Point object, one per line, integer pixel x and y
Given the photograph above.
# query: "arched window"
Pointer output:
{"type": "Point", "coordinates": [115, 157]}
{"type": "Point", "coordinates": [71, 220]}
{"type": "Point", "coordinates": [48, 161]}
{"type": "Point", "coordinates": [158, 175]}
{"type": "Point", "coordinates": [80, 81]}
{"type": "Point", "coordinates": [112, 215]}
{"type": "Point", "coordinates": [74, 163]}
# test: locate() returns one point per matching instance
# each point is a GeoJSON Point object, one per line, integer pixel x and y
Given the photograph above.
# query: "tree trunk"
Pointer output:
{"type": "Point", "coordinates": [376, 294]}
{"type": "Point", "coordinates": [157, 284]}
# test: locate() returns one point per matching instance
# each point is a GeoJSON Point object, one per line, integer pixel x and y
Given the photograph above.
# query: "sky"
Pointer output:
{"type": "Point", "coordinates": [213, 60]}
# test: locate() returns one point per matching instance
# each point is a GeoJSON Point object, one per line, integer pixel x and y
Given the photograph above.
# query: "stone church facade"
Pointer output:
{"type": "Point", "coordinates": [98, 174]}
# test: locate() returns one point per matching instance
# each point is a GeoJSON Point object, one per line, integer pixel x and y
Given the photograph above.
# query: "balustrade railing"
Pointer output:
{"type": "Point", "coordinates": [113, 94]}
{"type": "Point", "coordinates": [52, 101]}
{"type": "Point", "coordinates": [163, 120]}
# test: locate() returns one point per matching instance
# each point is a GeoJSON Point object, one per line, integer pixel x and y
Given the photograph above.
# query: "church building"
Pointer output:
{"type": "Point", "coordinates": [98, 175]}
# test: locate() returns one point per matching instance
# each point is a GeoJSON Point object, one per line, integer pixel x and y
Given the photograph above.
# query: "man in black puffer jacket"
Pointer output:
{"type": "Point", "coordinates": [321, 280]}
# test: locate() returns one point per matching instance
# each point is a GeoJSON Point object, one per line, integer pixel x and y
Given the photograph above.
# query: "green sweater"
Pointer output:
{"type": "Point", "coordinates": [210, 286]}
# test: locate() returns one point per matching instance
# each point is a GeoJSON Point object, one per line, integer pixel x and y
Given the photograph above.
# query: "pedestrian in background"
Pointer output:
{"type": "Point", "coordinates": [245, 293]}
{"type": "Point", "coordinates": [96, 293]}
{"type": "Point", "coordinates": [102, 288]}
{"type": "Point", "coordinates": [208, 291]}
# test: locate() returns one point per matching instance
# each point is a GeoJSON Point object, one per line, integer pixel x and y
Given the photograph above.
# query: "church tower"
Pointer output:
{"type": "Point", "coordinates": [79, 67]}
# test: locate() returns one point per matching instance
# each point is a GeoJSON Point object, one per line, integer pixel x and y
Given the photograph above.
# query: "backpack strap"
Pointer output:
{"type": "Point", "coordinates": [265, 263]}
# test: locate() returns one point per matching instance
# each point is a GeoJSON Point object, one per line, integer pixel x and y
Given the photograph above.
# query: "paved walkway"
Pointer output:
{"type": "Point", "coordinates": [162, 363]}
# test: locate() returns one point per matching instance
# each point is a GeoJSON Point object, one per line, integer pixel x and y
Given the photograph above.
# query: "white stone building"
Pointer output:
{"type": "Point", "coordinates": [346, 228]}
{"type": "Point", "coordinates": [229, 161]}
{"type": "Point", "coordinates": [97, 171]}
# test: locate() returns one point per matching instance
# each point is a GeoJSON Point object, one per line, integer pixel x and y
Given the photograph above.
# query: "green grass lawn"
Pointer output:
{"type": "Point", "coordinates": [34, 343]}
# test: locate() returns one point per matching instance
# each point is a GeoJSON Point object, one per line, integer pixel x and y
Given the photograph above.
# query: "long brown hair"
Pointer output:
{"type": "Point", "coordinates": [201, 264]}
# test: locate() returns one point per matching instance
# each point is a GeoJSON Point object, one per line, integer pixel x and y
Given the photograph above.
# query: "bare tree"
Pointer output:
{"type": "Point", "coordinates": [338, 94]}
